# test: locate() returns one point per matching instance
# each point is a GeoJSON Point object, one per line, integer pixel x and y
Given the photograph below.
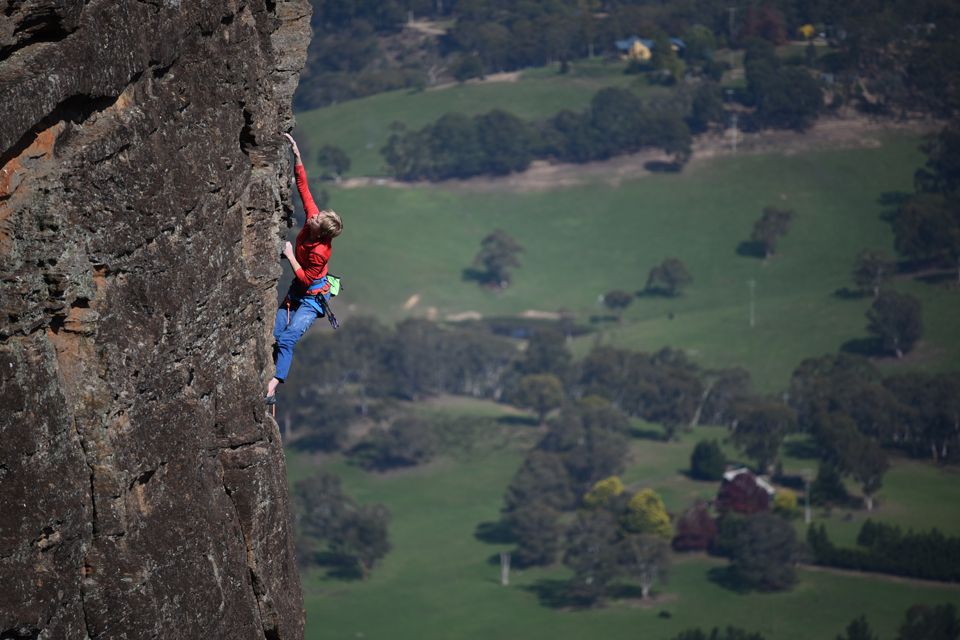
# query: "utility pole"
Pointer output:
{"type": "Point", "coordinates": [733, 130]}
{"type": "Point", "coordinates": [732, 11]}
{"type": "Point", "coordinates": [752, 284]}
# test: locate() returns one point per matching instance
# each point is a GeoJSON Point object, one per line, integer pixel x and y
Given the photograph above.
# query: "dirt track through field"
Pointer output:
{"type": "Point", "coordinates": [827, 134]}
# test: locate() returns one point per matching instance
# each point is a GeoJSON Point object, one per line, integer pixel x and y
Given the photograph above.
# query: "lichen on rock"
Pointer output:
{"type": "Point", "coordinates": [144, 197]}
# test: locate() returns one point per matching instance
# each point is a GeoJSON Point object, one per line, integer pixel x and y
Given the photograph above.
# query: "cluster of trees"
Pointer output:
{"type": "Point", "coordinates": [884, 548]}
{"type": "Point", "coordinates": [499, 143]}
{"type": "Point", "coordinates": [886, 56]}
{"type": "Point", "coordinates": [784, 95]}
{"type": "Point", "coordinates": [328, 520]}
{"type": "Point", "coordinates": [921, 622]}
{"type": "Point", "coordinates": [760, 541]}
{"type": "Point", "coordinates": [615, 533]}
{"type": "Point", "coordinates": [927, 224]}
{"type": "Point", "coordinates": [843, 401]}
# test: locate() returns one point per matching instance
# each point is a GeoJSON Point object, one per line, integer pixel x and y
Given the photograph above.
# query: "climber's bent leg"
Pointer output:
{"type": "Point", "coordinates": [287, 339]}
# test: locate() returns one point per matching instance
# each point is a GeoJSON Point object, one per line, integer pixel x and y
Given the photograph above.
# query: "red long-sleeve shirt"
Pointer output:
{"type": "Point", "coordinates": [312, 255]}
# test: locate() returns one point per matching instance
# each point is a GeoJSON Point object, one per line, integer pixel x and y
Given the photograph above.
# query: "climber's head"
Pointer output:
{"type": "Point", "coordinates": [325, 224]}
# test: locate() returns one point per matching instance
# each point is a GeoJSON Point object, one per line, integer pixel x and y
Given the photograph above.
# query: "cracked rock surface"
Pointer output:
{"type": "Point", "coordinates": [144, 197]}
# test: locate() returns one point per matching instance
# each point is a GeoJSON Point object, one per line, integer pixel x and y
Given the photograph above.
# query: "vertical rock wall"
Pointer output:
{"type": "Point", "coordinates": [144, 193]}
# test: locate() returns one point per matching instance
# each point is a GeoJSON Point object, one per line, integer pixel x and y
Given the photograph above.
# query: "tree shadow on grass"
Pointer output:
{"type": "Point", "coordinates": [525, 421]}
{"type": "Point", "coordinates": [557, 594]}
{"type": "Point", "coordinates": [658, 166]}
{"type": "Point", "coordinates": [484, 278]}
{"type": "Point", "coordinates": [846, 293]}
{"type": "Point", "coordinates": [940, 278]}
{"type": "Point", "coordinates": [496, 532]}
{"type": "Point", "coordinates": [728, 578]}
{"type": "Point", "coordinates": [338, 567]}
{"type": "Point", "coordinates": [643, 433]}
{"type": "Point", "coordinates": [805, 449]}
{"type": "Point", "coordinates": [751, 249]}
{"type": "Point", "coordinates": [625, 591]}
{"type": "Point", "coordinates": [867, 347]}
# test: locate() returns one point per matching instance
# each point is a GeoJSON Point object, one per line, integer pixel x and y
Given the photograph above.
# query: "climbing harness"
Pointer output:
{"type": "Point", "coordinates": [317, 296]}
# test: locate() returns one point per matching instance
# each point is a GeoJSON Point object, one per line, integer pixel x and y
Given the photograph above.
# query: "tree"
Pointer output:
{"type": "Point", "coordinates": [646, 514]}
{"type": "Point", "coordinates": [668, 277]}
{"type": "Point", "coordinates": [409, 441]}
{"type": "Point", "coordinates": [506, 142]}
{"type": "Point", "coordinates": [546, 352]}
{"type": "Point", "coordinates": [601, 492]}
{"type": "Point", "coordinates": [351, 531]}
{"type": "Point", "coordinates": [873, 268]}
{"type": "Point", "coordinates": [592, 554]}
{"type": "Point", "coordinates": [469, 67]}
{"type": "Point", "coordinates": [541, 392]}
{"type": "Point", "coordinates": [541, 478]}
{"type": "Point", "coordinates": [707, 461]}
{"type": "Point", "coordinates": [767, 551]}
{"type": "Point", "coordinates": [498, 253]}
{"type": "Point", "coordinates": [867, 463]}
{"type": "Point", "coordinates": [898, 319]}
{"type": "Point", "coordinates": [924, 622]}
{"type": "Point", "coordinates": [696, 530]}
{"type": "Point", "coordinates": [618, 300]}
{"type": "Point", "coordinates": [827, 488]}
{"type": "Point", "coordinates": [365, 537]}
{"type": "Point", "coordinates": [742, 495]}
{"type": "Point", "coordinates": [333, 160]}
{"type": "Point", "coordinates": [858, 630]}
{"type": "Point", "coordinates": [700, 42]}
{"type": "Point", "coordinates": [646, 559]}
{"type": "Point", "coordinates": [760, 431]}
{"type": "Point", "coordinates": [323, 421]}
{"type": "Point", "coordinates": [707, 106]}
{"type": "Point", "coordinates": [928, 226]}
{"type": "Point", "coordinates": [771, 225]}
{"type": "Point", "coordinates": [785, 504]}
{"type": "Point", "coordinates": [537, 532]}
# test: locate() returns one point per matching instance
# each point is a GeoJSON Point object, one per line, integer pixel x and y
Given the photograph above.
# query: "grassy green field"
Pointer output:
{"type": "Point", "coordinates": [585, 241]}
{"type": "Point", "coordinates": [439, 582]}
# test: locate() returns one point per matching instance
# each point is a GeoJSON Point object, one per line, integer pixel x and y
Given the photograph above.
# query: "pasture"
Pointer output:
{"type": "Point", "coordinates": [404, 252]}
{"type": "Point", "coordinates": [440, 581]}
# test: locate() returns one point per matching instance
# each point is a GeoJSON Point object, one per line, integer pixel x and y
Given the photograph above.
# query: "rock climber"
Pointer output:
{"type": "Point", "coordinates": [308, 259]}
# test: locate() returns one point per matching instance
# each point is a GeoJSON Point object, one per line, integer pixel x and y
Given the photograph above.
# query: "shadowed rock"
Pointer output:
{"type": "Point", "coordinates": [144, 196]}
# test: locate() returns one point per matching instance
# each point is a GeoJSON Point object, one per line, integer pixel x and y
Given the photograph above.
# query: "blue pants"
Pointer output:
{"type": "Point", "coordinates": [287, 333]}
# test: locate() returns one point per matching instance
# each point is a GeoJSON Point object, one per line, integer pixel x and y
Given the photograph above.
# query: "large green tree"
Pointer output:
{"type": "Point", "coordinates": [541, 392]}
{"type": "Point", "coordinates": [767, 552]}
{"type": "Point", "coordinates": [668, 277]}
{"type": "Point", "coordinates": [872, 268]}
{"type": "Point", "coordinates": [760, 431]}
{"type": "Point", "coordinates": [646, 559]}
{"type": "Point", "coordinates": [898, 319]}
{"type": "Point", "coordinates": [499, 253]}
{"type": "Point", "coordinates": [647, 514]}
{"type": "Point", "coordinates": [772, 224]}
{"type": "Point", "coordinates": [537, 531]}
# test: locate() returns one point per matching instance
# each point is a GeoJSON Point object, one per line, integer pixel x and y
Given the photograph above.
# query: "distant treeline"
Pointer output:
{"type": "Point", "coordinates": [889, 56]}
{"type": "Point", "coordinates": [842, 400]}
{"type": "Point", "coordinates": [884, 548]}
{"type": "Point", "coordinates": [498, 142]}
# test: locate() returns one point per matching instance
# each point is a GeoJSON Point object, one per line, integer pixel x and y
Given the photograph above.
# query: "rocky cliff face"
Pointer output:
{"type": "Point", "coordinates": [144, 191]}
